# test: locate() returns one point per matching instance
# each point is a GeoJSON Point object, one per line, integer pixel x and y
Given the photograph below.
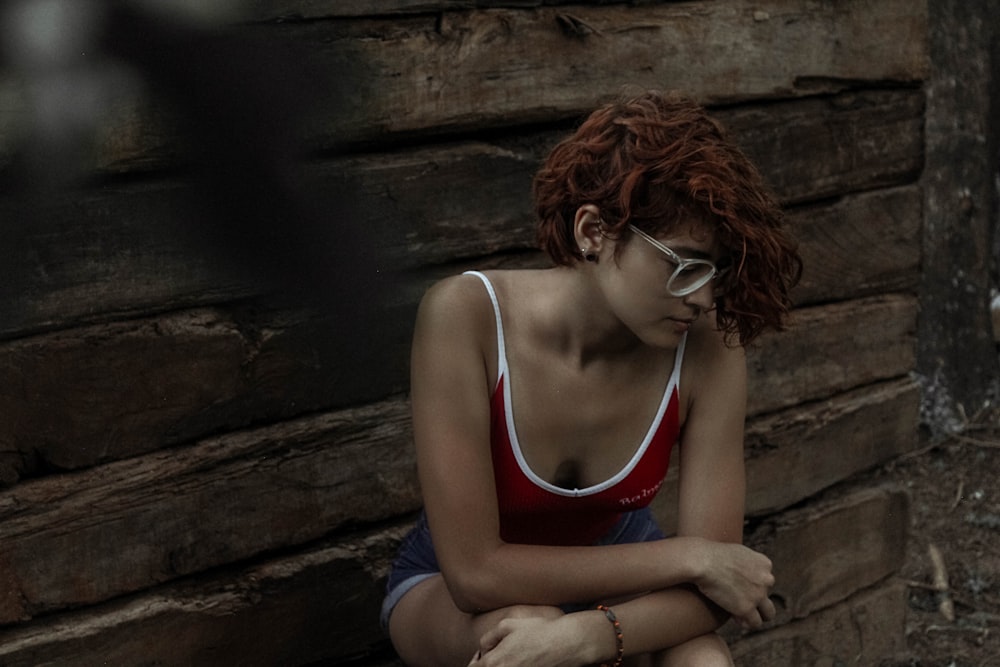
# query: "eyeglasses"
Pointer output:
{"type": "Point", "coordinates": [690, 275]}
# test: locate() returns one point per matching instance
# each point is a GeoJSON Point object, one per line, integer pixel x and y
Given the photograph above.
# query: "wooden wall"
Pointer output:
{"type": "Point", "coordinates": [194, 473]}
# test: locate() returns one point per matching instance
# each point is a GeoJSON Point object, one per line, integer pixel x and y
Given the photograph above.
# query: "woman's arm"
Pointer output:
{"type": "Point", "coordinates": [713, 477]}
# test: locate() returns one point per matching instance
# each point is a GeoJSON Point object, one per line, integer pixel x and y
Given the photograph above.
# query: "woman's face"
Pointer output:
{"type": "Point", "coordinates": [635, 283]}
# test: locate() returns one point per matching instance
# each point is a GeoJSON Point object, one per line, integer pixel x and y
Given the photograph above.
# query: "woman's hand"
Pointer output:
{"type": "Point", "coordinates": [567, 641]}
{"type": "Point", "coordinates": [738, 579]}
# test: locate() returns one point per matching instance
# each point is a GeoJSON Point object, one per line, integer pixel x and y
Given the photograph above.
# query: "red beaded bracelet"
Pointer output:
{"type": "Point", "coordinates": [619, 636]}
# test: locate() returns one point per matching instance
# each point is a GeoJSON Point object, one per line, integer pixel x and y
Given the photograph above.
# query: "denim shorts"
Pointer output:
{"type": "Point", "coordinates": [416, 561]}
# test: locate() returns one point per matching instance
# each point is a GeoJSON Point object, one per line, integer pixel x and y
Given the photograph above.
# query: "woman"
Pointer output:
{"type": "Point", "coordinates": [545, 405]}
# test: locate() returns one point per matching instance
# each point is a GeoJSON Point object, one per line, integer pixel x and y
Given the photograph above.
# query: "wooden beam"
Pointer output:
{"type": "Point", "coordinates": [860, 245]}
{"type": "Point", "coordinates": [814, 446]}
{"type": "Point", "coordinates": [469, 70]}
{"type": "Point", "coordinates": [78, 539]}
{"type": "Point", "coordinates": [183, 510]}
{"type": "Point", "coordinates": [457, 71]}
{"type": "Point", "coordinates": [865, 629]}
{"type": "Point", "coordinates": [827, 551]}
{"type": "Point", "coordinates": [831, 349]}
{"type": "Point", "coordinates": [138, 249]}
{"type": "Point", "coordinates": [327, 597]}
{"type": "Point", "coordinates": [304, 608]}
{"type": "Point", "coordinates": [81, 397]}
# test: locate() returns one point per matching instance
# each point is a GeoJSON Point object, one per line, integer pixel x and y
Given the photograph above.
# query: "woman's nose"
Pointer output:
{"type": "Point", "coordinates": [703, 297]}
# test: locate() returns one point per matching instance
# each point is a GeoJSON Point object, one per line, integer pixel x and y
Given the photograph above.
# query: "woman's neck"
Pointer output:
{"type": "Point", "coordinates": [573, 319]}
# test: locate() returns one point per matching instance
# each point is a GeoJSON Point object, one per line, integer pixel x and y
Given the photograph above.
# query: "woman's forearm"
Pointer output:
{"type": "Point", "coordinates": [649, 623]}
{"type": "Point", "coordinates": [529, 574]}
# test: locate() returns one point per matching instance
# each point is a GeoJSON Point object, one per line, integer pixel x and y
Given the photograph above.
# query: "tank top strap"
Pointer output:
{"type": "Point", "coordinates": [675, 376]}
{"type": "Point", "coordinates": [501, 348]}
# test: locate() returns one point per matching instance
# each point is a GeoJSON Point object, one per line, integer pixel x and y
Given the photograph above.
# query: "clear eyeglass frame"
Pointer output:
{"type": "Point", "coordinates": [690, 275]}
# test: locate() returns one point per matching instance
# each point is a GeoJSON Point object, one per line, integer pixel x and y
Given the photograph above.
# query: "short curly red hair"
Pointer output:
{"type": "Point", "coordinates": [659, 162]}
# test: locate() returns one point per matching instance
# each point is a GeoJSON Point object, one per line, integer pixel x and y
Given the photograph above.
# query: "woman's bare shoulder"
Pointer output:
{"type": "Point", "coordinates": [455, 311]}
{"type": "Point", "coordinates": [710, 359]}
{"type": "Point", "coordinates": [456, 296]}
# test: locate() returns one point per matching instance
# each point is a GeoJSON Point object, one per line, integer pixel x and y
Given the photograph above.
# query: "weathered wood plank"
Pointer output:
{"type": "Point", "coordinates": [478, 68]}
{"type": "Point", "coordinates": [144, 521]}
{"type": "Point", "coordinates": [282, 611]}
{"type": "Point", "coordinates": [815, 446]}
{"type": "Point", "coordinates": [831, 349]}
{"type": "Point", "coordinates": [486, 68]}
{"type": "Point", "coordinates": [290, 10]}
{"type": "Point", "coordinates": [865, 629]}
{"type": "Point", "coordinates": [468, 70]}
{"type": "Point", "coordinates": [825, 552]}
{"type": "Point", "coordinates": [802, 150]}
{"type": "Point", "coordinates": [132, 250]}
{"type": "Point", "coordinates": [319, 605]}
{"type": "Point", "coordinates": [880, 126]}
{"type": "Point", "coordinates": [80, 397]}
{"type": "Point", "coordinates": [296, 481]}
{"type": "Point", "coordinates": [76, 398]}
{"type": "Point", "coordinates": [861, 245]}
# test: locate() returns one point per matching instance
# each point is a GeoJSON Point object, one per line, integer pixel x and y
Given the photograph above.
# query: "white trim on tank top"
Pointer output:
{"type": "Point", "coordinates": [503, 370]}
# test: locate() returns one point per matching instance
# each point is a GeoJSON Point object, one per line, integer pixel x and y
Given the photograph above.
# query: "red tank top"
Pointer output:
{"type": "Point", "coordinates": [533, 511]}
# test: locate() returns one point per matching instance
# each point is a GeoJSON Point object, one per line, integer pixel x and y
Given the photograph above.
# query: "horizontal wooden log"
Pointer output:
{"type": "Point", "coordinates": [307, 608]}
{"type": "Point", "coordinates": [235, 496]}
{"type": "Point", "coordinates": [884, 146]}
{"type": "Point", "coordinates": [798, 453]}
{"type": "Point", "coordinates": [481, 68]}
{"type": "Point", "coordinates": [468, 70]}
{"type": "Point", "coordinates": [293, 10]}
{"type": "Point", "coordinates": [866, 629]}
{"type": "Point", "coordinates": [861, 245]}
{"type": "Point", "coordinates": [143, 248]}
{"type": "Point", "coordinates": [323, 603]}
{"type": "Point", "coordinates": [827, 551]}
{"type": "Point", "coordinates": [827, 350]}
{"type": "Point", "coordinates": [825, 123]}
{"type": "Point", "coordinates": [142, 521]}
{"type": "Point", "coordinates": [80, 397]}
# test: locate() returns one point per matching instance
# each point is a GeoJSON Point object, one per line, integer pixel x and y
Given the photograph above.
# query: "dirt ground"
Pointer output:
{"type": "Point", "coordinates": [953, 559]}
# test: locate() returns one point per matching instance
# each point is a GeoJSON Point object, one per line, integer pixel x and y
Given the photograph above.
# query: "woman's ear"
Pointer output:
{"type": "Point", "coordinates": [588, 231]}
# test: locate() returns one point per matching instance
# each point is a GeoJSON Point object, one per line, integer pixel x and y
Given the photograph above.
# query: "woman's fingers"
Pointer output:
{"type": "Point", "coordinates": [761, 614]}
{"type": "Point", "coordinates": [767, 610]}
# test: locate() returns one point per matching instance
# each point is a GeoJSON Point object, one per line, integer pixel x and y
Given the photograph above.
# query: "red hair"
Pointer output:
{"type": "Point", "coordinates": [659, 162]}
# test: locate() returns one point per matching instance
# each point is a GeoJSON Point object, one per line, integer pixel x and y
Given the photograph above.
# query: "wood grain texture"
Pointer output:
{"type": "Point", "coordinates": [134, 250]}
{"type": "Point", "coordinates": [431, 73]}
{"type": "Point", "coordinates": [233, 497]}
{"type": "Point", "coordinates": [79, 539]}
{"type": "Point", "coordinates": [831, 349]}
{"type": "Point", "coordinates": [796, 454]}
{"type": "Point", "coordinates": [322, 603]}
{"type": "Point", "coordinates": [864, 629]}
{"type": "Point", "coordinates": [82, 397]}
{"type": "Point", "coordinates": [317, 606]}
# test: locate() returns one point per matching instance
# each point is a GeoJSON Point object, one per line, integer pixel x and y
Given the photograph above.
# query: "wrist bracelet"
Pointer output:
{"type": "Point", "coordinates": [619, 636]}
